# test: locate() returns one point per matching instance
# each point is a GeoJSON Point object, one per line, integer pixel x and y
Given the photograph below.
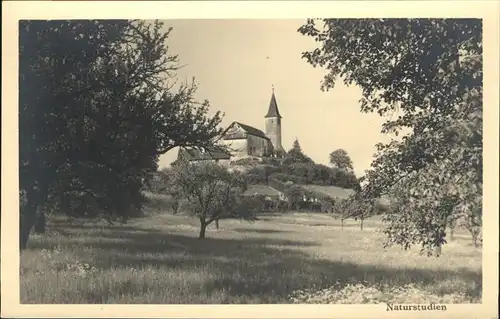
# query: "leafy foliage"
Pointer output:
{"type": "Point", "coordinates": [356, 206]}
{"type": "Point", "coordinates": [430, 72]}
{"type": "Point", "coordinates": [340, 159]}
{"type": "Point", "coordinates": [302, 173]}
{"type": "Point", "coordinates": [295, 154]}
{"type": "Point", "coordinates": [260, 174]}
{"type": "Point", "coordinates": [97, 108]}
{"type": "Point", "coordinates": [212, 192]}
{"type": "Point", "coordinates": [164, 183]}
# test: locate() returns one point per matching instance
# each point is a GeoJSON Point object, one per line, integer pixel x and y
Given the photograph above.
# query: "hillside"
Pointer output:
{"type": "Point", "coordinates": [330, 191]}
{"type": "Point", "coordinates": [309, 178]}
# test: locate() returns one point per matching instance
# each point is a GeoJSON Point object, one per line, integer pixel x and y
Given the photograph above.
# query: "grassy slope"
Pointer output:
{"type": "Point", "coordinates": [159, 260]}
{"type": "Point", "coordinates": [332, 191]}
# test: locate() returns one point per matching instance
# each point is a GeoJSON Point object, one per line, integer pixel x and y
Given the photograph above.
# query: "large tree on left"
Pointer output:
{"type": "Point", "coordinates": [97, 106]}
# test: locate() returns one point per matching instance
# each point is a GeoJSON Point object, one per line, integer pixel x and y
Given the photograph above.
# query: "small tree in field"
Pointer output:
{"type": "Point", "coordinates": [212, 192]}
{"type": "Point", "coordinates": [360, 209]}
{"type": "Point", "coordinates": [340, 211]}
{"type": "Point", "coordinates": [356, 207]}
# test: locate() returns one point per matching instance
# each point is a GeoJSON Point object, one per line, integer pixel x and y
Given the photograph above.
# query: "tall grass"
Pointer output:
{"type": "Point", "coordinates": [278, 259]}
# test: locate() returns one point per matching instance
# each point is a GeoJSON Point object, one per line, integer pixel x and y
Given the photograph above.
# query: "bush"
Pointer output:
{"type": "Point", "coordinates": [250, 205]}
{"type": "Point", "coordinates": [272, 161]}
{"type": "Point", "coordinates": [254, 178]}
{"type": "Point", "coordinates": [249, 161]}
{"type": "Point", "coordinates": [158, 203]}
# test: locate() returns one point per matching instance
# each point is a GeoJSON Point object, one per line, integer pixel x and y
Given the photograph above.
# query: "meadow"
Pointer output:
{"type": "Point", "coordinates": [287, 258]}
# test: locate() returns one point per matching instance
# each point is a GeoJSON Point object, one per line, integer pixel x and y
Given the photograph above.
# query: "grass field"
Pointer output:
{"type": "Point", "coordinates": [277, 259]}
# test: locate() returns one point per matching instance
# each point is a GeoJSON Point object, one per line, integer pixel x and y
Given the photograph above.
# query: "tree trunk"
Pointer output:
{"type": "Point", "coordinates": [361, 224]}
{"type": "Point", "coordinates": [202, 230]}
{"type": "Point", "coordinates": [342, 223]}
{"type": "Point", "coordinates": [40, 220]}
{"type": "Point", "coordinates": [438, 250]}
{"type": "Point", "coordinates": [27, 220]}
{"type": "Point", "coordinates": [217, 223]}
{"type": "Point", "coordinates": [28, 217]}
{"type": "Point", "coordinates": [450, 222]}
{"type": "Point", "coordinates": [475, 236]}
{"type": "Point", "coordinates": [175, 207]}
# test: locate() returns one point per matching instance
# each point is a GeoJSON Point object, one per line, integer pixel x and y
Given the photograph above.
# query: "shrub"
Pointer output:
{"type": "Point", "coordinates": [249, 161]}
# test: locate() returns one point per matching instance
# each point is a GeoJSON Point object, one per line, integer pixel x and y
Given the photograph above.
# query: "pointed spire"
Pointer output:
{"type": "Point", "coordinates": [273, 107]}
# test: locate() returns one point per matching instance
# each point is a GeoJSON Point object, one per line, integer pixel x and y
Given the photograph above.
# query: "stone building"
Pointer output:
{"type": "Point", "coordinates": [246, 141]}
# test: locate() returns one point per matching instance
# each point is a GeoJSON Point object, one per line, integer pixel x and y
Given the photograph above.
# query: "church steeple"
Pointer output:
{"type": "Point", "coordinates": [273, 124]}
{"type": "Point", "coordinates": [273, 108]}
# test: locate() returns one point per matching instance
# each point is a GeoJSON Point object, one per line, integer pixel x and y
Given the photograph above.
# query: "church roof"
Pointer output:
{"type": "Point", "coordinates": [273, 108]}
{"type": "Point", "coordinates": [250, 130]}
{"type": "Point", "coordinates": [192, 154]}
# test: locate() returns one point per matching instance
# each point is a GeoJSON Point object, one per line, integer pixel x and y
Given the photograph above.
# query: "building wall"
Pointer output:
{"type": "Point", "coordinates": [273, 131]}
{"type": "Point", "coordinates": [239, 147]}
{"type": "Point", "coordinates": [251, 146]}
{"type": "Point", "coordinates": [257, 146]}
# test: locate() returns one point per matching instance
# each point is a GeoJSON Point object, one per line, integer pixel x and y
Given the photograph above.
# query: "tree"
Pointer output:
{"type": "Point", "coordinates": [97, 108]}
{"type": "Point", "coordinates": [171, 188]}
{"type": "Point", "coordinates": [260, 174]}
{"type": "Point", "coordinates": [213, 193]}
{"type": "Point", "coordinates": [473, 224]}
{"type": "Point", "coordinates": [342, 178]}
{"type": "Point", "coordinates": [340, 159]}
{"type": "Point", "coordinates": [295, 195]}
{"type": "Point", "coordinates": [295, 154]}
{"type": "Point", "coordinates": [355, 206]}
{"type": "Point", "coordinates": [340, 210]}
{"type": "Point", "coordinates": [430, 72]}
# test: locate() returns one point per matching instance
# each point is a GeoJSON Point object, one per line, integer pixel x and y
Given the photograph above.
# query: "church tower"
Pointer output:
{"type": "Point", "coordinates": [273, 124]}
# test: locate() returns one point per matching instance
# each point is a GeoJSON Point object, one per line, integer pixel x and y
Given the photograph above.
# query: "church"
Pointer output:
{"type": "Point", "coordinates": [245, 141]}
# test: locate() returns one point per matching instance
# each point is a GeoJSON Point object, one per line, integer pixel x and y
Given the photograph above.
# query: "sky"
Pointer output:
{"type": "Point", "coordinates": [236, 63]}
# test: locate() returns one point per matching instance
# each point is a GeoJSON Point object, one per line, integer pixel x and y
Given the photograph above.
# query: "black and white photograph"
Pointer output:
{"type": "Point", "coordinates": [218, 161]}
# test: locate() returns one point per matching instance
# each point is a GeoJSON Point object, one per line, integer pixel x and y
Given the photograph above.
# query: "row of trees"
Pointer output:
{"type": "Point", "coordinates": [430, 71]}
{"type": "Point", "coordinates": [298, 168]}
{"type": "Point", "coordinates": [98, 104]}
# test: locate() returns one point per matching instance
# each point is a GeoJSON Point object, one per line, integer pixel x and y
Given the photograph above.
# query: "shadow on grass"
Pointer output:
{"type": "Point", "coordinates": [248, 269]}
{"type": "Point", "coordinates": [258, 230]}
